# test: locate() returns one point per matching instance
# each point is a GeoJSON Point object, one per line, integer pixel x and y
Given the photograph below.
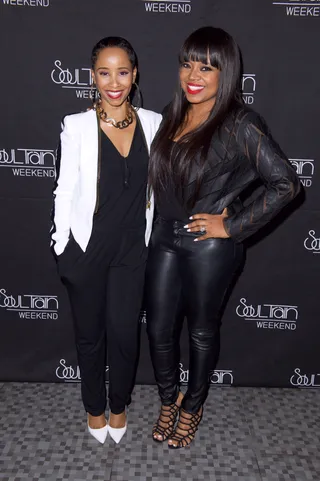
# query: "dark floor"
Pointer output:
{"type": "Point", "coordinates": [247, 434]}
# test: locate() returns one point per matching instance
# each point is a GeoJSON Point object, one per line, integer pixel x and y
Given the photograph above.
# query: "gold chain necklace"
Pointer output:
{"type": "Point", "coordinates": [122, 124]}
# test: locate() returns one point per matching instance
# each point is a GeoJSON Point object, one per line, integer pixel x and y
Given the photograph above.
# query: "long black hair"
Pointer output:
{"type": "Point", "coordinates": [168, 164]}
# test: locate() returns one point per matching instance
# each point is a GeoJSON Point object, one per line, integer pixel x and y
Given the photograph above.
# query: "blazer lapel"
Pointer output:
{"type": "Point", "coordinates": [89, 145]}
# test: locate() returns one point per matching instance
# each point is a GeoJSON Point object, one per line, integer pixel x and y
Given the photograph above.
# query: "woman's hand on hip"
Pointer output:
{"type": "Point", "coordinates": [210, 224]}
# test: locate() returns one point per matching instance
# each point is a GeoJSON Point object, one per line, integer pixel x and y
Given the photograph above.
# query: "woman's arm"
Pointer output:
{"type": "Point", "coordinates": [67, 171]}
{"type": "Point", "coordinates": [281, 184]}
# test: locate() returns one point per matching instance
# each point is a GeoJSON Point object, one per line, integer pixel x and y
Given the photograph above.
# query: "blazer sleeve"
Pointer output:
{"type": "Point", "coordinates": [281, 184]}
{"type": "Point", "coordinates": [67, 173]}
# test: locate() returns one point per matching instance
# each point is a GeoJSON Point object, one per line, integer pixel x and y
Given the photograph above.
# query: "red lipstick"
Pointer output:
{"type": "Point", "coordinates": [194, 89]}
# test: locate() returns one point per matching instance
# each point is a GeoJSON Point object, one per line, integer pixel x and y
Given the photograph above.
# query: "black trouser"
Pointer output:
{"type": "Point", "coordinates": [105, 287]}
{"type": "Point", "coordinates": [186, 278]}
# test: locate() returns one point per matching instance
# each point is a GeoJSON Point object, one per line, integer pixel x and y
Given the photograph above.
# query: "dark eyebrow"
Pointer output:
{"type": "Point", "coordinates": [119, 68]}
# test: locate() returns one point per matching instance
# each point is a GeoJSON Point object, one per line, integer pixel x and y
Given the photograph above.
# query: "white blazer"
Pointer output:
{"type": "Point", "coordinates": [75, 195]}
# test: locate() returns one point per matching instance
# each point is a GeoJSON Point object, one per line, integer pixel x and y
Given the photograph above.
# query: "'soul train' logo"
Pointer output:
{"type": "Point", "coordinates": [167, 6]}
{"type": "Point", "coordinates": [304, 380]}
{"type": "Point", "coordinates": [249, 85]}
{"type": "Point", "coordinates": [79, 79]}
{"type": "Point", "coordinates": [27, 3]}
{"type": "Point", "coordinates": [304, 169]}
{"type": "Point", "coordinates": [30, 306]}
{"type": "Point", "coordinates": [28, 162]}
{"type": "Point", "coordinates": [218, 376]}
{"type": "Point", "coordinates": [69, 373]}
{"type": "Point", "coordinates": [300, 8]}
{"type": "Point", "coordinates": [312, 243]}
{"type": "Point", "coordinates": [269, 316]}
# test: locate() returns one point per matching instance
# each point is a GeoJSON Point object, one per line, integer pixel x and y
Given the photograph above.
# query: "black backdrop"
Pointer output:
{"type": "Point", "coordinates": [271, 331]}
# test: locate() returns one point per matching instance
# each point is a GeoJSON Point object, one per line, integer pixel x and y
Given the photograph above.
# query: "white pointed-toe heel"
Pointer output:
{"type": "Point", "coordinates": [100, 434]}
{"type": "Point", "coordinates": [118, 433]}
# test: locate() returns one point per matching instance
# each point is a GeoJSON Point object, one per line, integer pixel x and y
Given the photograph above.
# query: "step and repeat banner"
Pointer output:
{"type": "Point", "coordinates": [270, 327]}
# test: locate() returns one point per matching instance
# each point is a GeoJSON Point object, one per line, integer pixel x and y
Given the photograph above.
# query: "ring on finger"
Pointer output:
{"type": "Point", "coordinates": [202, 229]}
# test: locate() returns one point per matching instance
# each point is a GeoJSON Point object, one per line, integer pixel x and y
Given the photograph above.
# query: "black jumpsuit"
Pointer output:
{"type": "Point", "coordinates": [105, 283]}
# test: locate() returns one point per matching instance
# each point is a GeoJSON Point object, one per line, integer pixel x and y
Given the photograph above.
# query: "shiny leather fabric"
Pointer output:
{"type": "Point", "coordinates": [240, 153]}
{"type": "Point", "coordinates": [186, 278]}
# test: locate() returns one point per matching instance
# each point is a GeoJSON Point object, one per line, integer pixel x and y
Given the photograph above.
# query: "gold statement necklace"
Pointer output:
{"type": "Point", "coordinates": [122, 124]}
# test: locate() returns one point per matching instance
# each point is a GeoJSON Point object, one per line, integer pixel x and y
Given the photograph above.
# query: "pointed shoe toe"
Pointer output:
{"type": "Point", "coordinates": [117, 433]}
{"type": "Point", "coordinates": [99, 434]}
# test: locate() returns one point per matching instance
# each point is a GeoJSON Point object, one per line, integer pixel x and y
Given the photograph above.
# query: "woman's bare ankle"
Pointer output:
{"type": "Point", "coordinates": [97, 422]}
{"type": "Point", "coordinates": [179, 399]}
{"type": "Point", "coordinates": [117, 420]}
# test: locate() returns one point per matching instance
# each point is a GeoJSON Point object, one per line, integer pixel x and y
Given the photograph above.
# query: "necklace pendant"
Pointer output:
{"type": "Point", "coordinates": [111, 121]}
{"type": "Point", "coordinates": [148, 204]}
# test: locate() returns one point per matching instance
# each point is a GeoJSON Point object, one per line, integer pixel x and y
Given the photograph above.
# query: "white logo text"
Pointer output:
{"type": "Point", "coordinates": [218, 376]}
{"type": "Point", "coordinates": [69, 373]}
{"type": "Point", "coordinates": [304, 169]}
{"type": "Point", "coordinates": [78, 78]}
{"type": "Point", "coordinates": [168, 6]}
{"type": "Point", "coordinates": [28, 162]}
{"type": "Point", "coordinates": [30, 306]}
{"type": "Point", "coordinates": [312, 243]}
{"type": "Point", "coordinates": [269, 316]}
{"type": "Point", "coordinates": [249, 84]}
{"type": "Point", "coordinates": [300, 8]}
{"type": "Point", "coordinates": [304, 381]}
{"type": "Point", "coordinates": [27, 3]}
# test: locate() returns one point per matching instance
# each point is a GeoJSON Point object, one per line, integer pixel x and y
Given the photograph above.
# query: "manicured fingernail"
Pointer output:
{"type": "Point", "coordinates": [188, 230]}
{"type": "Point", "coordinates": [196, 240]}
{"type": "Point", "coordinates": [185, 226]}
{"type": "Point", "coordinates": [191, 217]}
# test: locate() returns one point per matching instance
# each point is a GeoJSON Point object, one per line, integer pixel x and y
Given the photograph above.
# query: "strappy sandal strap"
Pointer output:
{"type": "Point", "coordinates": [168, 416]}
{"type": "Point", "coordinates": [183, 440]}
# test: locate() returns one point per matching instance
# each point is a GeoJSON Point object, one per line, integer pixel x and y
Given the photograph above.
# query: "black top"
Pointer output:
{"type": "Point", "coordinates": [171, 203]}
{"type": "Point", "coordinates": [242, 152]}
{"type": "Point", "coordinates": [123, 184]}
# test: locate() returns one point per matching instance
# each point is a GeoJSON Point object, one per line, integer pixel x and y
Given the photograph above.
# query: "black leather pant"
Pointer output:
{"type": "Point", "coordinates": [186, 278]}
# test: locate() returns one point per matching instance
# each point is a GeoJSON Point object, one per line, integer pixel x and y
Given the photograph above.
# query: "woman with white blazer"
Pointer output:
{"type": "Point", "coordinates": [102, 223]}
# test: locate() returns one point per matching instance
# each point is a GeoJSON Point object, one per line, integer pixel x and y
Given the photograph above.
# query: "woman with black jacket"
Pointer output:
{"type": "Point", "coordinates": [208, 150]}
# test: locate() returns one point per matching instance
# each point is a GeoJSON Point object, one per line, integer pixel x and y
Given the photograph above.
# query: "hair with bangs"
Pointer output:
{"type": "Point", "coordinates": [207, 45]}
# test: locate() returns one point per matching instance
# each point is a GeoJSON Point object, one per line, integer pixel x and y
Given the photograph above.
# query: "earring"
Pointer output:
{"type": "Point", "coordinates": [93, 91]}
{"type": "Point", "coordinates": [95, 95]}
{"type": "Point", "coordinates": [138, 93]}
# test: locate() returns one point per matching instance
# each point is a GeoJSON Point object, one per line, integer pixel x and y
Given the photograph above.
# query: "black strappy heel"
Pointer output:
{"type": "Point", "coordinates": [184, 440]}
{"type": "Point", "coordinates": [168, 415]}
